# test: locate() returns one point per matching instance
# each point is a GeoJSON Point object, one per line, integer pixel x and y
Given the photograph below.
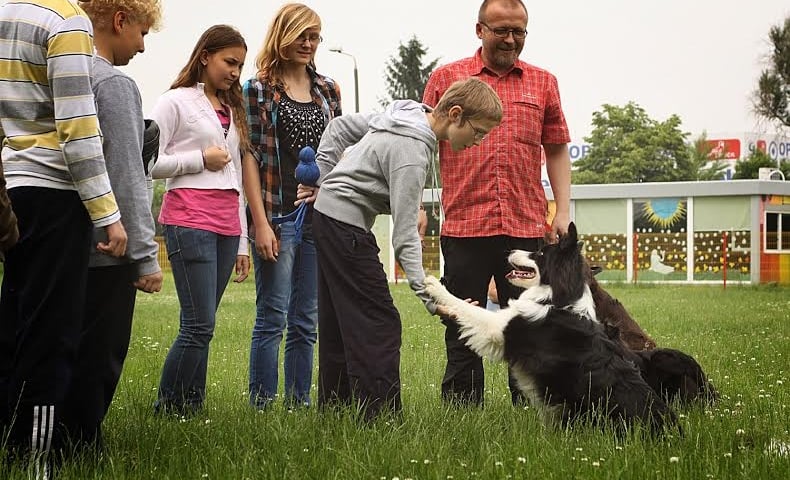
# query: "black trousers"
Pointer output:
{"type": "Point", "coordinates": [104, 342]}
{"type": "Point", "coordinates": [359, 328]}
{"type": "Point", "coordinates": [469, 264]}
{"type": "Point", "coordinates": [41, 312]}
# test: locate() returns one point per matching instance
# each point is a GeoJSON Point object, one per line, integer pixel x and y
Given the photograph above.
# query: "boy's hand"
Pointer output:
{"type": "Point", "coordinates": [305, 193]}
{"type": "Point", "coordinates": [116, 240]}
{"type": "Point", "coordinates": [150, 283]}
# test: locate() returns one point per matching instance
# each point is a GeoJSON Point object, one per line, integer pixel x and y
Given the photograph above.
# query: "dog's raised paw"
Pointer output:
{"type": "Point", "coordinates": [435, 289]}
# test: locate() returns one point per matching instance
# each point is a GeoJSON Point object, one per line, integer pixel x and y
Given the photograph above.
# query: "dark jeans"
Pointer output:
{"type": "Point", "coordinates": [109, 309]}
{"type": "Point", "coordinates": [469, 264]}
{"type": "Point", "coordinates": [41, 313]}
{"type": "Point", "coordinates": [359, 328]}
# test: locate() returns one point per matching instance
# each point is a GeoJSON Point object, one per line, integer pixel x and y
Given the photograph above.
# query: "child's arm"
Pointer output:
{"type": "Point", "coordinates": [171, 164]}
{"type": "Point", "coordinates": [340, 133]}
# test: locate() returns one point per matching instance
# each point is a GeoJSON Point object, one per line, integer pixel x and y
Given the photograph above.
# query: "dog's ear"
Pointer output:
{"type": "Point", "coordinates": [596, 269]}
{"type": "Point", "coordinates": [570, 239]}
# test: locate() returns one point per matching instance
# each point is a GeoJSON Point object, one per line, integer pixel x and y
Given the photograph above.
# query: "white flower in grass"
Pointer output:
{"type": "Point", "coordinates": [596, 464]}
{"type": "Point", "coordinates": [674, 459]}
{"type": "Point", "coordinates": [521, 460]}
{"type": "Point", "coordinates": [426, 461]}
{"type": "Point", "coordinates": [728, 455]}
{"type": "Point", "coordinates": [497, 463]}
{"type": "Point", "coordinates": [618, 447]}
{"type": "Point", "coordinates": [413, 460]}
{"type": "Point", "coordinates": [740, 431]}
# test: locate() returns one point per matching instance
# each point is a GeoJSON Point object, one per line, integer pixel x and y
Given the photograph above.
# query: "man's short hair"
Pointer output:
{"type": "Point", "coordinates": [478, 100]}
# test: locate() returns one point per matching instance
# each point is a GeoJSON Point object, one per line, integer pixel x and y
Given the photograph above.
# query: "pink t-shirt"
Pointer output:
{"type": "Point", "coordinates": [213, 210]}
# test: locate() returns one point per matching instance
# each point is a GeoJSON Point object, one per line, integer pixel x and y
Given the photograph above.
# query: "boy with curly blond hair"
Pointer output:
{"type": "Point", "coordinates": [120, 27]}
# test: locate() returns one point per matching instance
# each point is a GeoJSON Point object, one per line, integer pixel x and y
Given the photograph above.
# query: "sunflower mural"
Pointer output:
{"type": "Point", "coordinates": [661, 225]}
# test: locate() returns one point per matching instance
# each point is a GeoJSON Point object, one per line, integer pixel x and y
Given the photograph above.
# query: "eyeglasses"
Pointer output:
{"type": "Point", "coordinates": [503, 32]}
{"type": "Point", "coordinates": [313, 38]}
{"type": "Point", "coordinates": [480, 134]}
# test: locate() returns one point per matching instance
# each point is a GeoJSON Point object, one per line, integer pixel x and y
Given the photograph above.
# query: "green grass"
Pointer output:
{"type": "Point", "coordinates": [740, 335]}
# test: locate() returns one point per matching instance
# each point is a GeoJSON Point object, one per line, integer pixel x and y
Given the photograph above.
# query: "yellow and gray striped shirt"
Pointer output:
{"type": "Point", "coordinates": [47, 110]}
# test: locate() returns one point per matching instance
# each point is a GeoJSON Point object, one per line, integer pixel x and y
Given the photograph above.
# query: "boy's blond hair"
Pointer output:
{"type": "Point", "coordinates": [478, 100]}
{"type": "Point", "coordinates": [147, 12]}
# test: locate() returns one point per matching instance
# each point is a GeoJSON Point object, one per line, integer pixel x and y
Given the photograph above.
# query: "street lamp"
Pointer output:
{"type": "Point", "coordinates": [356, 75]}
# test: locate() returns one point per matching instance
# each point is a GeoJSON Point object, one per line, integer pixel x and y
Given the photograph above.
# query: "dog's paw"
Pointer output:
{"type": "Point", "coordinates": [436, 290]}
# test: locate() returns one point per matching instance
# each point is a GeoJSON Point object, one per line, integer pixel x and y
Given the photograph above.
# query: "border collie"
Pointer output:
{"type": "Point", "coordinates": [562, 357]}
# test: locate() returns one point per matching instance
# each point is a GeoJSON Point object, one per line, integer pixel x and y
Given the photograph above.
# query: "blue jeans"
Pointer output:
{"type": "Point", "coordinates": [202, 263]}
{"type": "Point", "coordinates": [286, 292]}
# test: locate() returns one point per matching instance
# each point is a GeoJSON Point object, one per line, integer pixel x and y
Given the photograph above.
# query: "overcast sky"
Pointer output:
{"type": "Point", "coordinates": [699, 59]}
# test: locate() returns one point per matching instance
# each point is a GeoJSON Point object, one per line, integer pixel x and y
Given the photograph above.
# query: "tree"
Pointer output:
{"type": "Point", "coordinates": [627, 146]}
{"type": "Point", "coordinates": [704, 162]}
{"type": "Point", "coordinates": [406, 75]}
{"type": "Point", "coordinates": [772, 97]}
{"type": "Point", "coordinates": [749, 167]}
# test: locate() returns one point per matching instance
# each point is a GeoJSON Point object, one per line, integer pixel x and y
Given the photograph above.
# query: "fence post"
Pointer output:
{"type": "Point", "coordinates": [724, 258]}
{"type": "Point", "coordinates": [636, 255]}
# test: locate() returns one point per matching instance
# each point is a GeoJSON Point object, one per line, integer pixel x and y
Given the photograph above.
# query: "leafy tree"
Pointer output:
{"type": "Point", "coordinates": [627, 146]}
{"type": "Point", "coordinates": [704, 164]}
{"type": "Point", "coordinates": [156, 203]}
{"type": "Point", "coordinates": [749, 167]}
{"type": "Point", "coordinates": [406, 75]}
{"type": "Point", "coordinates": [772, 97]}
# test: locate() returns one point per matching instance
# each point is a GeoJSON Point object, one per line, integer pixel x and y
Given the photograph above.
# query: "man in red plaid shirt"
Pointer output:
{"type": "Point", "coordinates": [492, 194]}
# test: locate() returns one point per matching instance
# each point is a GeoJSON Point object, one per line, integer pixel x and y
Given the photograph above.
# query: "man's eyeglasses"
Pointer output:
{"type": "Point", "coordinates": [503, 32]}
{"type": "Point", "coordinates": [313, 38]}
{"type": "Point", "coordinates": [480, 134]}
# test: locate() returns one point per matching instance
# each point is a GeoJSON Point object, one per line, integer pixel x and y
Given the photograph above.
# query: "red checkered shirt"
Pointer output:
{"type": "Point", "coordinates": [495, 188]}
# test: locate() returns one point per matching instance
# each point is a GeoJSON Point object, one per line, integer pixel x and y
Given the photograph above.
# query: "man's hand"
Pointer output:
{"type": "Point", "coordinates": [242, 268]}
{"type": "Point", "coordinates": [116, 240]}
{"type": "Point", "coordinates": [150, 283]}
{"type": "Point", "coordinates": [559, 226]}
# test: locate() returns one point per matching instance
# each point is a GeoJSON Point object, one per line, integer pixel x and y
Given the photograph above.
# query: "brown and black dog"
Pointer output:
{"type": "Point", "coordinates": [671, 373]}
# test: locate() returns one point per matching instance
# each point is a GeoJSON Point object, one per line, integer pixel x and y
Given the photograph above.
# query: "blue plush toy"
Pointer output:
{"type": "Point", "coordinates": [306, 173]}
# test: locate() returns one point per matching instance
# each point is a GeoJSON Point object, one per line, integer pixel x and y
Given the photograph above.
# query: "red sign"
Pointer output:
{"type": "Point", "coordinates": [728, 148]}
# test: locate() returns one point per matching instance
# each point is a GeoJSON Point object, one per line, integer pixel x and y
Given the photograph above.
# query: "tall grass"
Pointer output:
{"type": "Point", "coordinates": [740, 335]}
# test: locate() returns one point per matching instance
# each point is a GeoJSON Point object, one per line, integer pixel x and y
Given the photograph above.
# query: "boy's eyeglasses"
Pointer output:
{"type": "Point", "coordinates": [313, 38]}
{"type": "Point", "coordinates": [503, 32]}
{"type": "Point", "coordinates": [480, 134]}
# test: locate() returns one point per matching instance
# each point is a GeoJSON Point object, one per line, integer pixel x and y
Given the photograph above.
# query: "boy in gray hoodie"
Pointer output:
{"type": "Point", "coordinates": [359, 328]}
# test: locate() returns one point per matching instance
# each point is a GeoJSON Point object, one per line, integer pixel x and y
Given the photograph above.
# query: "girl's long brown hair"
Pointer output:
{"type": "Point", "coordinates": [213, 40]}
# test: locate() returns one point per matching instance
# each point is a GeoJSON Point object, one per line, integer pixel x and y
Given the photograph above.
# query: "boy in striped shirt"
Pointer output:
{"type": "Point", "coordinates": [59, 190]}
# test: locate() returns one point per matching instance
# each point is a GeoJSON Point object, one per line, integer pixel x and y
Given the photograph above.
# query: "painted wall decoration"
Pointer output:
{"type": "Point", "coordinates": [660, 225]}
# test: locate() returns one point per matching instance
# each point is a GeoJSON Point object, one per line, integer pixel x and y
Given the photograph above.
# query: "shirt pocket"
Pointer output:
{"type": "Point", "coordinates": [528, 118]}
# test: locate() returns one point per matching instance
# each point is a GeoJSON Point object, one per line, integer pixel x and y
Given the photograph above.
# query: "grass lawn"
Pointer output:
{"type": "Point", "coordinates": [740, 335]}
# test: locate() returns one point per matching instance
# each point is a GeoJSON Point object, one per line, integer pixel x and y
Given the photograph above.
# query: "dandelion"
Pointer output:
{"type": "Point", "coordinates": [674, 459]}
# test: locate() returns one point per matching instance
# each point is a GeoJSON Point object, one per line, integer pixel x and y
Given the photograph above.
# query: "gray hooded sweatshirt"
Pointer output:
{"type": "Point", "coordinates": [383, 172]}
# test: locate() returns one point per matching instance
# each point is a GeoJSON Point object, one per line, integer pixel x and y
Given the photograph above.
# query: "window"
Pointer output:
{"type": "Point", "coordinates": [777, 232]}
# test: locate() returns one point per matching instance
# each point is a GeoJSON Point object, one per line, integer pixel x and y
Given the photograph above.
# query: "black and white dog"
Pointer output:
{"type": "Point", "coordinates": [563, 358]}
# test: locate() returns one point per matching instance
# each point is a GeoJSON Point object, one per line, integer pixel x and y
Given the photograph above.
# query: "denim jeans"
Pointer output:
{"type": "Point", "coordinates": [286, 293]}
{"type": "Point", "coordinates": [202, 263]}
